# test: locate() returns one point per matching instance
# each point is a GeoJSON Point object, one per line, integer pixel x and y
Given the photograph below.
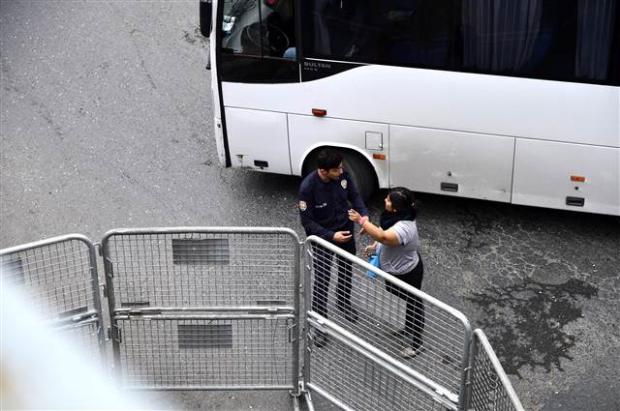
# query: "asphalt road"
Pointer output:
{"type": "Point", "coordinates": [106, 123]}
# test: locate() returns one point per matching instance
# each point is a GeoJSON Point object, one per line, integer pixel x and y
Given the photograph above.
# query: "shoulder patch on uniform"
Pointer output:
{"type": "Point", "coordinates": [343, 183]}
{"type": "Point", "coordinates": [302, 205]}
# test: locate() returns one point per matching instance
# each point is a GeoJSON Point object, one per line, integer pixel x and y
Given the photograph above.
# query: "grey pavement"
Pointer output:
{"type": "Point", "coordinates": [106, 122]}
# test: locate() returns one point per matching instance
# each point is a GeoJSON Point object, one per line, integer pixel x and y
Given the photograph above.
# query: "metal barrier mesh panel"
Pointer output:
{"type": "Point", "coordinates": [55, 277]}
{"type": "Point", "coordinates": [204, 353]}
{"type": "Point", "coordinates": [381, 310]}
{"type": "Point", "coordinates": [361, 384]}
{"type": "Point", "coordinates": [488, 393]}
{"type": "Point", "coordinates": [85, 338]}
{"type": "Point", "coordinates": [202, 269]}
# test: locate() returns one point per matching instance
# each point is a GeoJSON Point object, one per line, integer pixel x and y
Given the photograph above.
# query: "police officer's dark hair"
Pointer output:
{"type": "Point", "coordinates": [403, 200]}
{"type": "Point", "coordinates": [328, 158]}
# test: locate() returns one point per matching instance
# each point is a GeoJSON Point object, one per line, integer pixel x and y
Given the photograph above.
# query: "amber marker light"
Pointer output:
{"type": "Point", "coordinates": [319, 112]}
{"type": "Point", "coordinates": [578, 179]}
{"type": "Point", "coordinates": [378, 156]}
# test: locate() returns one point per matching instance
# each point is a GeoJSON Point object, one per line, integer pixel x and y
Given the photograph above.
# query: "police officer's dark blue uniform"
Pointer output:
{"type": "Point", "coordinates": [323, 207]}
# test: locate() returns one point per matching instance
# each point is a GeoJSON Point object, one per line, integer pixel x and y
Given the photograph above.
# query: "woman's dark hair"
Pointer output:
{"type": "Point", "coordinates": [328, 159]}
{"type": "Point", "coordinates": [403, 202]}
{"type": "Point", "coordinates": [402, 199]}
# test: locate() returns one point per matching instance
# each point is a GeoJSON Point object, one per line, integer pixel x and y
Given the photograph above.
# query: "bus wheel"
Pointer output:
{"type": "Point", "coordinates": [361, 173]}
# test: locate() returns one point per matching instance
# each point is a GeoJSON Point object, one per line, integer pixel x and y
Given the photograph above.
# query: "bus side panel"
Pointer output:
{"type": "Point", "coordinates": [543, 171]}
{"type": "Point", "coordinates": [309, 132]}
{"type": "Point", "coordinates": [451, 162]}
{"type": "Point", "coordinates": [258, 140]}
{"type": "Point", "coordinates": [484, 104]}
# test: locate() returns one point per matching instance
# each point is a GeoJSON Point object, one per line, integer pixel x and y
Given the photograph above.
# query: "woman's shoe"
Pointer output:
{"type": "Point", "coordinates": [410, 352]}
{"type": "Point", "coordinates": [350, 314]}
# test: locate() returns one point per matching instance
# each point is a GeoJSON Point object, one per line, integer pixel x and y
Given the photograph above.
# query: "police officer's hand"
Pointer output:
{"type": "Point", "coordinates": [342, 236]}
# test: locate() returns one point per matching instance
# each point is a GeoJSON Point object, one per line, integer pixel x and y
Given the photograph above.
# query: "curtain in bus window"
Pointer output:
{"type": "Point", "coordinates": [321, 33]}
{"type": "Point", "coordinates": [421, 33]}
{"type": "Point", "coordinates": [501, 36]}
{"type": "Point", "coordinates": [595, 28]}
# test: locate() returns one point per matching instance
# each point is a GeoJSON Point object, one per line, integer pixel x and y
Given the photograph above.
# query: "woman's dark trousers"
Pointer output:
{"type": "Point", "coordinates": [414, 314]}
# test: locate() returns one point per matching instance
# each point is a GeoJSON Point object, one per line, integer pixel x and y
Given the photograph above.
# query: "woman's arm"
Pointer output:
{"type": "Point", "coordinates": [387, 237]}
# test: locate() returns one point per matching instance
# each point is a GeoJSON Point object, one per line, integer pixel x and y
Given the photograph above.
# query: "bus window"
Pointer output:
{"type": "Point", "coordinates": [595, 36]}
{"type": "Point", "coordinates": [424, 35]}
{"type": "Point", "coordinates": [258, 41]}
{"type": "Point", "coordinates": [258, 28]}
{"type": "Point", "coordinates": [575, 41]}
{"type": "Point", "coordinates": [551, 39]}
{"type": "Point", "coordinates": [396, 32]}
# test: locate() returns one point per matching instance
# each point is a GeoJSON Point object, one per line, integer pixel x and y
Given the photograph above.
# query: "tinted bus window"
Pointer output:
{"type": "Point", "coordinates": [258, 28]}
{"type": "Point", "coordinates": [257, 40]}
{"type": "Point", "coordinates": [574, 40]}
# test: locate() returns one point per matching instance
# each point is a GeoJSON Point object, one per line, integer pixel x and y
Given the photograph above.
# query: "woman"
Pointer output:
{"type": "Point", "coordinates": [397, 244]}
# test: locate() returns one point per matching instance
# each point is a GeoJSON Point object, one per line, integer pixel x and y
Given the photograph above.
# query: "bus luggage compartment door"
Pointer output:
{"type": "Point", "coordinates": [567, 176]}
{"type": "Point", "coordinates": [451, 162]}
{"type": "Point", "coordinates": [258, 140]}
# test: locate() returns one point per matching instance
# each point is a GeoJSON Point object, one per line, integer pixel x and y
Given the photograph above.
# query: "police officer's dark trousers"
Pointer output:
{"type": "Point", "coordinates": [322, 268]}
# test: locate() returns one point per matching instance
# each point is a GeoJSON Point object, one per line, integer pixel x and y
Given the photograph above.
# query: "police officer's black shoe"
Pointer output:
{"type": "Point", "coordinates": [350, 313]}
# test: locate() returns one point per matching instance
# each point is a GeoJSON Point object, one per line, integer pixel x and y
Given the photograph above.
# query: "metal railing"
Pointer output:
{"type": "Point", "coordinates": [59, 278]}
{"type": "Point", "coordinates": [353, 374]}
{"type": "Point", "coordinates": [204, 308]}
{"type": "Point", "coordinates": [219, 309]}
{"type": "Point", "coordinates": [367, 313]}
{"type": "Point", "coordinates": [491, 389]}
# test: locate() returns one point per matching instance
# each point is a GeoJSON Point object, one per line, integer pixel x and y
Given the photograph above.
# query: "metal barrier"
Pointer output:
{"type": "Point", "coordinates": [365, 315]}
{"type": "Point", "coordinates": [355, 375]}
{"type": "Point", "coordinates": [490, 387]}
{"type": "Point", "coordinates": [204, 308]}
{"type": "Point", "coordinates": [59, 277]}
{"type": "Point", "coordinates": [219, 309]}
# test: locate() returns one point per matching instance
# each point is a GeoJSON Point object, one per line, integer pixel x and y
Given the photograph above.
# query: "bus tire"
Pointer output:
{"type": "Point", "coordinates": [359, 169]}
{"type": "Point", "coordinates": [361, 173]}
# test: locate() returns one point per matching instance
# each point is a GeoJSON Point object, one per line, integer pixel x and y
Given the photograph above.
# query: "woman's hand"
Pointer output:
{"type": "Point", "coordinates": [370, 249]}
{"type": "Point", "coordinates": [354, 215]}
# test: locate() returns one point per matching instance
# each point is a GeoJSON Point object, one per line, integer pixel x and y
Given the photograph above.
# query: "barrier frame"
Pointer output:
{"type": "Point", "coordinates": [478, 357]}
{"type": "Point", "coordinates": [89, 317]}
{"type": "Point", "coordinates": [481, 346]}
{"type": "Point", "coordinates": [441, 394]}
{"type": "Point", "coordinates": [208, 313]}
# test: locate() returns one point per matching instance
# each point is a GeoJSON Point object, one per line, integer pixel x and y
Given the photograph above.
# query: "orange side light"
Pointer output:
{"type": "Point", "coordinates": [319, 112]}
{"type": "Point", "coordinates": [578, 179]}
{"type": "Point", "coordinates": [378, 156]}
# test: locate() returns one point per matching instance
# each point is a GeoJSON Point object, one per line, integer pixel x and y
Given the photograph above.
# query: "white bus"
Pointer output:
{"type": "Point", "coordinates": [515, 101]}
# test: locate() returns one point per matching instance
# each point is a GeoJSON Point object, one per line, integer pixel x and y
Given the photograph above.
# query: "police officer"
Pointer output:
{"type": "Point", "coordinates": [324, 197]}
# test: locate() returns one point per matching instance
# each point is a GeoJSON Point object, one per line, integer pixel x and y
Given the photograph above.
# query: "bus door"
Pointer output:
{"type": "Point", "coordinates": [255, 50]}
